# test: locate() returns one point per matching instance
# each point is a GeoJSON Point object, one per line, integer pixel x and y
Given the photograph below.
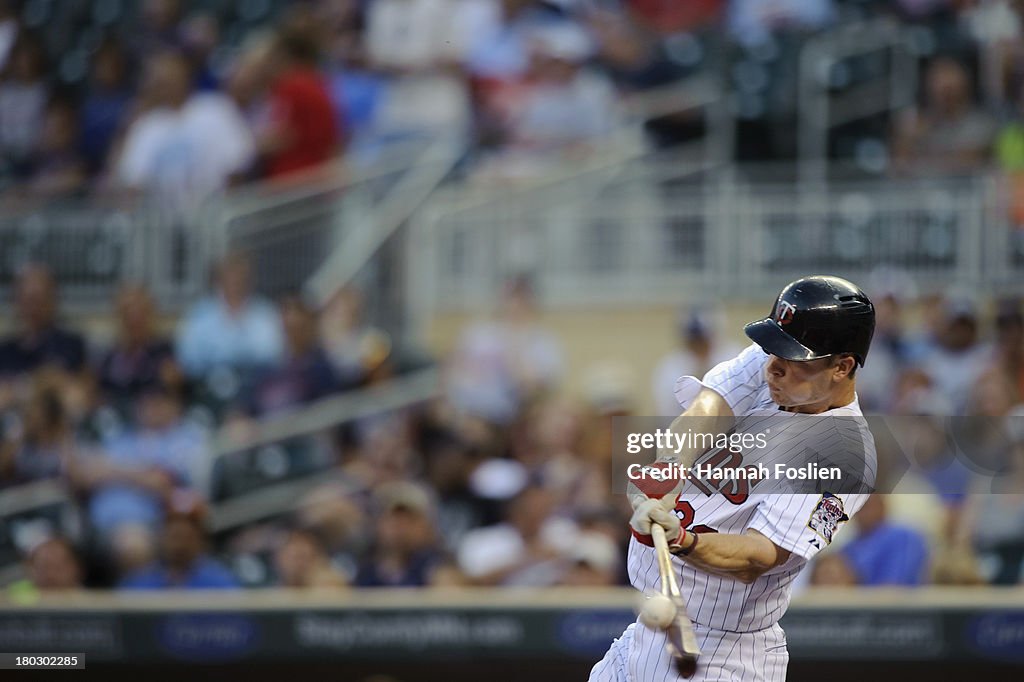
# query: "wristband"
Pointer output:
{"type": "Point", "coordinates": [677, 547]}
{"type": "Point", "coordinates": [649, 540]}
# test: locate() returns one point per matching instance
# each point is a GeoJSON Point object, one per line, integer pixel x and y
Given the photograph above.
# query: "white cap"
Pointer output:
{"type": "Point", "coordinates": [596, 550]}
{"type": "Point", "coordinates": [564, 41]}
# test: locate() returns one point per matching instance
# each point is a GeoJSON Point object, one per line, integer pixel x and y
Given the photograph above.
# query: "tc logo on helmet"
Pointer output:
{"type": "Point", "coordinates": [785, 312]}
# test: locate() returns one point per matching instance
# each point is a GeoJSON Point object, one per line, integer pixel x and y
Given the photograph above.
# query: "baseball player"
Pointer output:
{"type": "Point", "coordinates": [738, 554]}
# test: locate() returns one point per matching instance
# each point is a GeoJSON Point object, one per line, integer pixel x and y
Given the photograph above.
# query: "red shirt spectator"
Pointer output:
{"type": "Point", "coordinates": [305, 120]}
{"type": "Point", "coordinates": [671, 16]}
{"type": "Point", "coordinates": [304, 129]}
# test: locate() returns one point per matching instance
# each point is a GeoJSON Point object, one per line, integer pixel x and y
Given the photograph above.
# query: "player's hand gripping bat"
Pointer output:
{"type": "Point", "coordinates": [682, 641]}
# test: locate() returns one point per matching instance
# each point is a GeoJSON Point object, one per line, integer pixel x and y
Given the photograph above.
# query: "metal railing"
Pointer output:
{"type": "Point", "coordinates": [92, 246]}
{"type": "Point", "coordinates": [648, 231]}
{"type": "Point", "coordinates": [259, 476]}
{"type": "Point", "coordinates": [288, 455]}
{"type": "Point", "coordinates": [337, 227]}
{"type": "Point", "coordinates": [848, 74]}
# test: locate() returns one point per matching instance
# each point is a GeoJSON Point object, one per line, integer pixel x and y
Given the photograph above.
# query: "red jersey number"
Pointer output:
{"type": "Point", "coordinates": [685, 512]}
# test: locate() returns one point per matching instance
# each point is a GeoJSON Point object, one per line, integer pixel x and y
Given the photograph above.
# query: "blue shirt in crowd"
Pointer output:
{"type": "Point", "coordinates": [213, 336]}
{"type": "Point", "coordinates": [888, 555]}
{"type": "Point", "coordinates": [205, 574]}
{"type": "Point", "coordinates": [180, 451]}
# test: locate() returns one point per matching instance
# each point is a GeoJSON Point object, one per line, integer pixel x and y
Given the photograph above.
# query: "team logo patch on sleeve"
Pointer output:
{"type": "Point", "coordinates": [827, 516]}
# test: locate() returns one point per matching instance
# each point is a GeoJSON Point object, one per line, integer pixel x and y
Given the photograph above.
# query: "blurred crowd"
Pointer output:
{"type": "Point", "coordinates": [129, 425]}
{"type": "Point", "coordinates": [504, 479]}
{"type": "Point", "coordinates": [178, 100]}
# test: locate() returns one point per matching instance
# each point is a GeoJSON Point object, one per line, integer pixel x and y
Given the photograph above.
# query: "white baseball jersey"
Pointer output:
{"type": "Point", "coordinates": [802, 523]}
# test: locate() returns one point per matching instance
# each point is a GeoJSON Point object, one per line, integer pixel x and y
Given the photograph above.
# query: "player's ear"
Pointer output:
{"type": "Point", "coordinates": [843, 367]}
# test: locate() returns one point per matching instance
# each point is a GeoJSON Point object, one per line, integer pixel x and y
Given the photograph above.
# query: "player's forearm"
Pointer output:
{"type": "Point", "coordinates": [742, 557]}
{"type": "Point", "coordinates": [708, 413]}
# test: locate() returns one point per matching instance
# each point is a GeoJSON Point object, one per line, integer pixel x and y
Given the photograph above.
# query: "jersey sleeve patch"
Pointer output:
{"type": "Point", "coordinates": [826, 517]}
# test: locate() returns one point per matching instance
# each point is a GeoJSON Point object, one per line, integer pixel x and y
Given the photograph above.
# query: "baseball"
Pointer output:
{"type": "Point", "coordinates": [658, 612]}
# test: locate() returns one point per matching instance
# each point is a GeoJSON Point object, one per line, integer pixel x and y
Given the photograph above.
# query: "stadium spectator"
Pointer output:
{"type": "Point", "coordinates": [832, 570]}
{"type": "Point", "coordinates": [39, 341]}
{"type": "Point", "coordinates": [407, 36]}
{"type": "Point", "coordinates": [132, 480]}
{"type": "Point", "coordinates": [934, 458]}
{"type": "Point", "coordinates": [332, 512]}
{"type": "Point", "coordinates": [40, 443]}
{"type": "Point", "coordinates": [303, 131]}
{"type": "Point", "coordinates": [199, 36]}
{"type": "Point", "coordinates": [546, 442]}
{"type": "Point", "coordinates": [668, 17]}
{"type": "Point", "coordinates": [105, 106]}
{"type": "Point", "coordinates": [604, 519]}
{"type": "Point", "coordinates": [956, 568]}
{"type": "Point", "coordinates": [385, 451]}
{"type": "Point", "coordinates": [24, 93]}
{"type": "Point", "coordinates": [358, 91]}
{"type": "Point", "coordinates": [357, 349]}
{"type": "Point", "coordinates": [1009, 152]}
{"type": "Point", "coordinates": [552, 111]}
{"type": "Point", "coordinates": [949, 133]}
{"type": "Point", "coordinates": [450, 462]}
{"type": "Point", "coordinates": [140, 358]}
{"type": "Point", "coordinates": [301, 561]}
{"type": "Point", "coordinates": [132, 547]}
{"type": "Point", "coordinates": [158, 28]}
{"type": "Point", "coordinates": [404, 551]}
{"type": "Point", "coordinates": [247, 84]}
{"type": "Point", "coordinates": [992, 21]}
{"type": "Point", "coordinates": [608, 392]}
{"type": "Point", "coordinates": [924, 337]}
{"type": "Point", "coordinates": [876, 381]}
{"type": "Point", "coordinates": [1009, 346]}
{"type": "Point", "coordinates": [755, 22]}
{"type": "Point", "coordinates": [626, 49]}
{"type": "Point", "coordinates": [593, 562]}
{"type": "Point", "coordinates": [232, 328]}
{"type": "Point", "coordinates": [698, 351]}
{"type": "Point", "coordinates": [58, 167]}
{"type": "Point", "coordinates": [184, 562]}
{"type": "Point", "coordinates": [447, 574]}
{"type": "Point", "coordinates": [499, 38]}
{"type": "Point", "coordinates": [499, 365]}
{"type": "Point", "coordinates": [958, 357]}
{"type": "Point", "coordinates": [305, 374]}
{"type": "Point", "coordinates": [885, 553]}
{"type": "Point", "coordinates": [982, 440]}
{"type": "Point", "coordinates": [185, 145]}
{"type": "Point", "coordinates": [527, 550]}
{"type": "Point", "coordinates": [993, 521]}
{"type": "Point", "coordinates": [564, 106]}
{"type": "Point", "coordinates": [8, 31]}
{"type": "Point", "coordinates": [52, 565]}
{"type": "Point", "coordinates": [413, 42]}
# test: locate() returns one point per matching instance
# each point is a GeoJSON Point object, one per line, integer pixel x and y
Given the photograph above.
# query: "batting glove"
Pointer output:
{"type": "Point", "coordinates": [654, 501]}
{"type": "Point", "coordinates": [656, 511]}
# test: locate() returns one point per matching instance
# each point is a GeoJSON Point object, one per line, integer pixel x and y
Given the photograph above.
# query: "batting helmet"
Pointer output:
{"type": "Point", "coordinates": [816, 317]}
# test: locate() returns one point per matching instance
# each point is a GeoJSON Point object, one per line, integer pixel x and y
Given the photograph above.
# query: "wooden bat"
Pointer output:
{"type": "Point", "coordinates": [682, 641]}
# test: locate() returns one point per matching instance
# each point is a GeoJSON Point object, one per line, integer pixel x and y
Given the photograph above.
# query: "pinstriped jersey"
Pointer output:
{"type": "Point", "coordinates": [801, 522]}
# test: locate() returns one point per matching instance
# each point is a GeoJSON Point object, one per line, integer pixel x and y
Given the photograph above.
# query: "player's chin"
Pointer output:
{"type": "Point", "coordinates": [779, 397]}
{"type": "Point", "coordinates": [788, 401]}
